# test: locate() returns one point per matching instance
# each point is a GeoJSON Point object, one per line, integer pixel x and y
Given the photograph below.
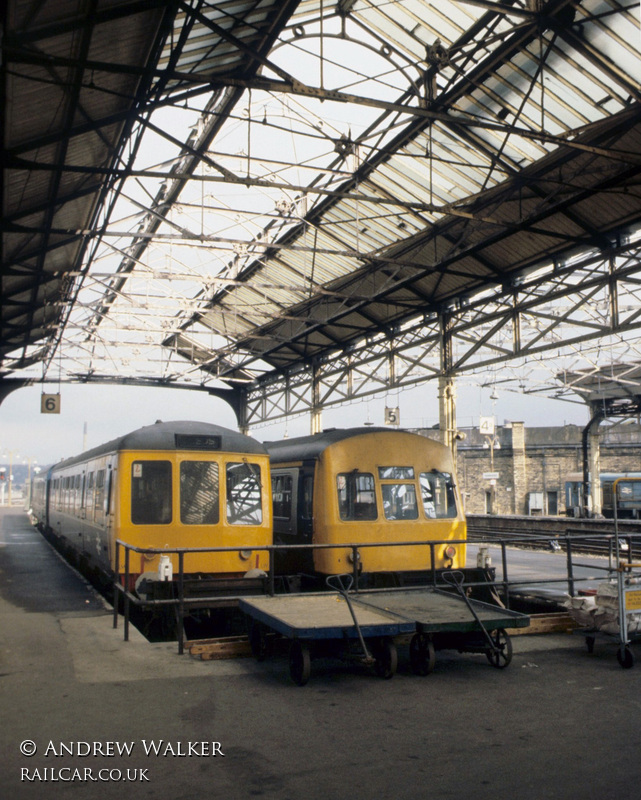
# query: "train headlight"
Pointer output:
{"type": "Point", "coordinates": [350, 557]}
{"type": "Point", "coordinates": [450, 551]}
{"type": "Point", "coordinates": [245, 554]}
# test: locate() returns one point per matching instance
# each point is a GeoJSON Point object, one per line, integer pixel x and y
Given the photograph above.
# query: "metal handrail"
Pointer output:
{"type": "Point", "coordinates": [504, 583]}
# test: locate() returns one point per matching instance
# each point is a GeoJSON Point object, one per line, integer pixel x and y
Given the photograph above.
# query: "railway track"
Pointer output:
{"type": "Point", "coordinates": [591, 537]}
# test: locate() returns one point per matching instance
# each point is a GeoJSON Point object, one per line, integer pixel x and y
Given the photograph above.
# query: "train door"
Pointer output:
{"type": "Point", "coordinates": [284, 502]}
{"type": "Point", "coordinates": [292, 489]}
{"type": "Point", "coordinates": [305, 503]}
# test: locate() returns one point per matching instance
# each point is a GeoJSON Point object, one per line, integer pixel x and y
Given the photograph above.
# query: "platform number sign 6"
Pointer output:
{"type": "Point", "coordinates": [50, 404]}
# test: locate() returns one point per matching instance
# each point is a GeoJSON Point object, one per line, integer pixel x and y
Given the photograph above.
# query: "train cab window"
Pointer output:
{"type": "Point", "coordinates": [399, 500]}
{"type": "Point", "coordinates": [356, 496]}
{"type": "Point", "coordinates": [437, 493]}
{"type": "Point", "coordinates": [282, 496]}
{"type": "Point", "coordinates": [199, 493]}
{"type": "Point", "coordinates": [396, 473]}
{"type": "Point", "coordinates": [151, 495]}
{"type": "Point", "coordinates": [244, 494]}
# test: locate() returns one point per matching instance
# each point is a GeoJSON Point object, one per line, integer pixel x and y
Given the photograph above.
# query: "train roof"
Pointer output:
{"type": "Point", "coordinates": [310, 447]}
{"type": "Point", "coordinates": [181, 435]}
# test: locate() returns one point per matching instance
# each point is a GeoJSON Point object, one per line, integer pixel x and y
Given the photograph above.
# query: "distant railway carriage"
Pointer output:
{"type": "Point", "coordinates": [167, 485]}
{"type": "Point", "coordinates": [628, 495]}
{"type": "Point", "coordinates": [366, 485]}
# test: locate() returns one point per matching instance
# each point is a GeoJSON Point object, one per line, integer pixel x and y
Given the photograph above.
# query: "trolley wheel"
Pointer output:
{"type": "Point", "coordinates": [258, 641]}
{"type": "Point", "coordinates": [625, 657]}
{"type": "Point", "coordinates": [300, 662]}
{"type": "Point", "coordinates": [386, 658]}
{"type": "Point", "coordinates": [422, 654]}
{"type": "Point", "coordinates": [501, 655]}
{"type": "Point", "coordinates": [589, 643]}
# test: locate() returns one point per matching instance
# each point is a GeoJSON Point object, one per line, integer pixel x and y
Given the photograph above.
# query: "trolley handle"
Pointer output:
{"type": "Point", "coordinates": [455, 578]}
{"type": "Point", "coordinates": [340, 583]}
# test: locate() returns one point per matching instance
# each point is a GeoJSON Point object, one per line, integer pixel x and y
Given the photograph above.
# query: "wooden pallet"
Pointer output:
{"type": "Point", "coordinates": [223, 647]}
{"type": "Point", "coordinates": [558, 622]}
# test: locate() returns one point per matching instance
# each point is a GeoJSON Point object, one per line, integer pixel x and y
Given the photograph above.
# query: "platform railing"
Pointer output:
{"type": "Point", "coordinates": [503, 584]}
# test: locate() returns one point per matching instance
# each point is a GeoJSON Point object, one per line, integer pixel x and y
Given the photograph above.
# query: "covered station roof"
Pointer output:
{"type": "Point", "coordinates": [225, 192]}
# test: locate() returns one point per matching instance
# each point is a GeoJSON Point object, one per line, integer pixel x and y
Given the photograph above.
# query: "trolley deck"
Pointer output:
{"type": "Point", "coordinates": [436, 620]}
{"type": "Point", "coordinates": [437, 611]}
{"type": "Point", "coordinates": [322, 616]}
{"type": "Point", "coordinates": [330, 624]}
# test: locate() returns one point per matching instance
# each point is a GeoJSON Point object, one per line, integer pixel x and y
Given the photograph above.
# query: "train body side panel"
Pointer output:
{"type": "Point", "coordinates": [78, 508]}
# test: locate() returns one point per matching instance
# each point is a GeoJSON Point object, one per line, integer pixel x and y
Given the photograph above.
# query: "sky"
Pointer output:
{"type": "Point", "coordinates": [92, 414]}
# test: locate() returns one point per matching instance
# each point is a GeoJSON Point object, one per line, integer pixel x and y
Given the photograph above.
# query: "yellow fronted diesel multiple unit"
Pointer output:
{"type": "Point", "coordinates": [367, 486]}
{"type": "Point", "coordinates": [165, 486]}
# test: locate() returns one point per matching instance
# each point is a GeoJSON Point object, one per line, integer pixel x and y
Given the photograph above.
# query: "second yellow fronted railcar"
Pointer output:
{"type": "Point", "coordinates": [366, 486]}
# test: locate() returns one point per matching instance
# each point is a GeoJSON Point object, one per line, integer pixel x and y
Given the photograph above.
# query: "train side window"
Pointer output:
{"type": "Point", "coordinates": [244, 494]}
{"type": "Point", "coordinates": [99, 495]}
{"type": "Point", "coordinates": [282, 496]}
{"type": "Point", "coordinates": [199, 493]}
{"type": "Point", "coordinates": [437, 493]}
{"type": "Point", "coordinates": [110, 488]}
{"type": "Point", "coordinates": [151, 494]}
{"type": "Point", "coordinates": [356, 496]}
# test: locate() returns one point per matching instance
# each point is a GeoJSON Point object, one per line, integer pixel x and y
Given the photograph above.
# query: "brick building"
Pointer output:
{"type": "Point", "coordinates": [523, 470]}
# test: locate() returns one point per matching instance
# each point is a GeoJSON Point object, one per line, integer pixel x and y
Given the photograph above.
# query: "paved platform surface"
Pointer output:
{"type": "Point", "coordinates": [113, 719]}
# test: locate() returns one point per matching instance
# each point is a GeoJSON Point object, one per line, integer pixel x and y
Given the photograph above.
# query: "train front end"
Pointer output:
{"type": "Point", "coordinates": [388, 488]}
{"type": "Point", "coordinates": [200, 494]}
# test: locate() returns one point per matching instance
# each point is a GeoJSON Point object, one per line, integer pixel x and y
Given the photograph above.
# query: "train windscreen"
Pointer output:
{"type": "Point", "coordinates": [151, 495]}
{"type": "Point", "coordinates": [244, 494]}
{"type": "Point", "coordinates": [437, 492]}
{"type": "Point", "coordinates": [356, 496]}
{"type": "Point", "coordinates": [199, 493]}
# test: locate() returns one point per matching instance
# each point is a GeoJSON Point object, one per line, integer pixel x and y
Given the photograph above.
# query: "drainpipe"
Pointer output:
{"type": "Point", "coordinates": [597, 417]}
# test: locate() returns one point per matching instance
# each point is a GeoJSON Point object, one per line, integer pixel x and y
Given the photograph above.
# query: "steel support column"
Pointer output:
{"type": "Point", "coordinates": [316, 412]}
{"type": "Point", "coordinates": [446, 387]}
{"type": "Point", "coordinates": [590, 442]}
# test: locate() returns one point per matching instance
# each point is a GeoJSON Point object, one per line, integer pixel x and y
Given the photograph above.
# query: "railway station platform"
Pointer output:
{"type": "Point", "coordinates": [81, 706]}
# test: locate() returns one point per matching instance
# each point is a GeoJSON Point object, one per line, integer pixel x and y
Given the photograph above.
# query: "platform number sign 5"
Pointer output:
{"type": "Point", "coordinates": [392, 416]}
{"type": "Point", "coordinates": [50, 404]}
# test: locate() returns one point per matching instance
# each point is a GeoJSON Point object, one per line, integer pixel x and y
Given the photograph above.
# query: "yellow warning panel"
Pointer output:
{"type": "Point", "coordinates": [633, 600]}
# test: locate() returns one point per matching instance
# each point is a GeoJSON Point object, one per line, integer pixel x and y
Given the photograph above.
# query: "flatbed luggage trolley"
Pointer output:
{"type": "Point", "coordinates": [447, 621]}
{"type": "Point", "coordinates": [326, 624]}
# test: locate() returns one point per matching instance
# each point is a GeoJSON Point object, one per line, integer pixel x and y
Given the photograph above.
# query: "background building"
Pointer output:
{"type": "Point", "coordinates": [520, 470]}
